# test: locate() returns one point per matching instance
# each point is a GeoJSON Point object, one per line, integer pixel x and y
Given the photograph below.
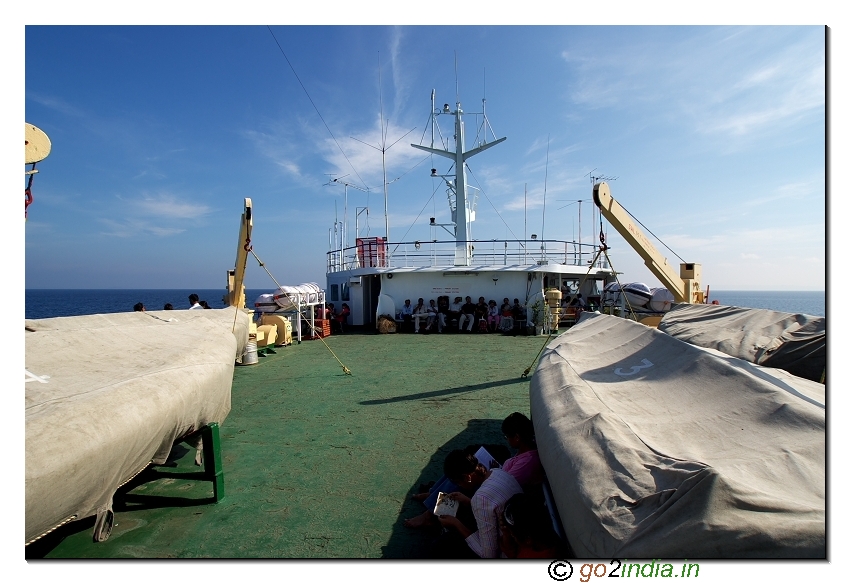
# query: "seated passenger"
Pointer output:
{"type": "Point", "coordinates": [494, 488]}
{"type": "Point", "coordinates": [420, 312]}
{"type": "Point", "coordinates": [406, 315]}
{"type": "Point", "coordinates": [341, 319]}
{"type": "Point", "coordinates": [577, 302]}
{"type": "Point", "coordinates": [526, 530]}
{"type": "Point", "coordinates": [519, 314]}
{"type": "Point", "coordinates": [481, 310]}
{"type": "Point", "coordinates": [525, 466]}
{"type": "Point", "coordinates": [507, 322]}
{"type": "Point", "coordinates": [442, 312]}
{"type": "Point", "coordinates": [467, 315]}
{"type": "Point", "coordinates": [432, 315]}
{"type": "Point", "coordinates": [455, 311]}
{"type": "Point", "coordinates": [494, 316]}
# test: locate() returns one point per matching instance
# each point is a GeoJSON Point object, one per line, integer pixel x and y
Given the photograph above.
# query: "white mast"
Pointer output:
{"type": "Point", "coordinates": [463, 251]}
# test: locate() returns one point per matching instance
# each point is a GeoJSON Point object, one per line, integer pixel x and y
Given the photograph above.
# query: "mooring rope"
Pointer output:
{"type": "Point", "coordinates": [345, 369]}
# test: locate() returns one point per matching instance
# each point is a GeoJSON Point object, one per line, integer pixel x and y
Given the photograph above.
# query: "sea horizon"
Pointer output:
{"type": "Point", "coordinates": [52, 303]}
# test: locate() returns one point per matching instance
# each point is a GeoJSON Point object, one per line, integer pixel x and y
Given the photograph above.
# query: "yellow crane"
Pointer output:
{"type": "Point", "coordinates": [236, 276]}
{"type": "Point", "coordinates": [685, 286]}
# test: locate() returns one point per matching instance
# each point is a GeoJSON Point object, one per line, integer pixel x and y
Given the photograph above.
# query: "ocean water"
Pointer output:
{"type": "Point", "coordinates": [812, 303]}
{"type": "Point", "coordinates": [53, 303]}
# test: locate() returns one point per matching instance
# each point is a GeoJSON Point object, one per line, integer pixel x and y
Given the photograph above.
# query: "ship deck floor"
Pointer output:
{"type": "Point", "coordinates": [319, 464]}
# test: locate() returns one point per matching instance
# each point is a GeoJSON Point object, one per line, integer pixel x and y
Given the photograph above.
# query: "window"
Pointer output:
{"type": "Point", "coordinates": [345, 295]}
{"type": "Point", "coordinates": [335, 292]}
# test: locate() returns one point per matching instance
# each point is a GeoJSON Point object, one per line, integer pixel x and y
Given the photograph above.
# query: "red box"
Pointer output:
{"type": "Point", "coordinates": [323, 328]}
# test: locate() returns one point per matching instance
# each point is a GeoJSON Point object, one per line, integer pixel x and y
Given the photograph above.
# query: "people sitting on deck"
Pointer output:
{"type": "Point", "coordinates": [481, 309]}
{"type": "Point", "coordinates": [140, 307]}
{"type": "Point", "coordinates": [455, 311]}
{"type": "Point", "coordinates": [494, 316]}
{"type": "Point", "coordinates": [431, 310]}
{"type": "Point", "coordinates": [577, 302]}
{"type": "Point", "coordinates": [194, 302]}
{"type": "Point", "coordinates": [507, 322]}
{"type": "Point", "coordinates": [446, 486]}
{"type": "Point", "coordinates": [342, 317]}
{"type": "Point", "coordinates": [467, 315]}
{"type": "Point", "coordinates": [525, 466]}
{"type": "Point", "coordinates": [205, 305]}
{"type": "Point", "coordinates": [420, 312]}
{"type": "Point", "coordinates": [338, 321]}
{"type": "Point", "coordinates": [406, 315]}
{"type": "Point", "coordinates": [494, 488]}
{"type": "Point", "coordinates": [442, 312]}
{"type": "Point", "coordinates": [526, 530]}
{"type": "Point", "coordinates": [168, 307]}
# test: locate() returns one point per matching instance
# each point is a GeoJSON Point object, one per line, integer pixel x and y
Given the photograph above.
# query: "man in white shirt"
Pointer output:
{"type": "Point", "coordinates": [194, 301]}
{"type": "Point", "coordinates": [420, 312]}
{"type": "Point", "coordinates": [432, 315]}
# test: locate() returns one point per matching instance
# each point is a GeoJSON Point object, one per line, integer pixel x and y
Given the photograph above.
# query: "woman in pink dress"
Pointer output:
{"type": "Point", "coordinates": [525, 466]}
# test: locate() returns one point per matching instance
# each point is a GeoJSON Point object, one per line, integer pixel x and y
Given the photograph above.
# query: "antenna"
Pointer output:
{"type": "Point", "coordinates": [597, 179]}
{"type": "Point", "coordinates": [331, 182]}
{"type": "Point", "coordinates": [383, 146]}
{"type": "Point", "coordinates": [383, 149]}
{"type": "Point", "coordinates": [525, 219]}
{"type": "Point", "coordinates": [457, 87]}
{"type": "Point", "coordinates": [545, 180]}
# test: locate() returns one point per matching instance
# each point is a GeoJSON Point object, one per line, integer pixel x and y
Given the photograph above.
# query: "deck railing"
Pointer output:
{"type": "Point", "coordinates": [442, 254]}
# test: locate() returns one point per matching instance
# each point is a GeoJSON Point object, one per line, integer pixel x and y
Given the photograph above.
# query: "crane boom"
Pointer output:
{"type": "Point", "coordinates": [236, 276]}
{"type": "Point", "coordinates": [685, 287]}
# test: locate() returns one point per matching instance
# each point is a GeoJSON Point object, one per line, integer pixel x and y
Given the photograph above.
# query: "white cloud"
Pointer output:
{"type": "Point", "coordinates": [720, 83]}
{"type": "Point", "coordinates": [169, 206]}
{"type": "Point", "coordinates": [135, 227]}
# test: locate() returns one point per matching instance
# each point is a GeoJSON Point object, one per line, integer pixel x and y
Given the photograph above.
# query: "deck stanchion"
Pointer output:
{"type": "Point", "coordinates": [212, 459]}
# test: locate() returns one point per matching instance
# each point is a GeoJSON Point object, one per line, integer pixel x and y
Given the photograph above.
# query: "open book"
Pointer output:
{"type": "Point", "coordinates": [485, 459]}
{"type": "Point", "coordinates": [445, 505]}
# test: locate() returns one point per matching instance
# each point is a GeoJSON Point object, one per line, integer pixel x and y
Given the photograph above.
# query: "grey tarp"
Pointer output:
{"type": "Point", "coordinates": [792, 342]}
{"type": "Point", "coordinates": [108, 394]}
{"type": "Point", "coordinates": [657, 448]}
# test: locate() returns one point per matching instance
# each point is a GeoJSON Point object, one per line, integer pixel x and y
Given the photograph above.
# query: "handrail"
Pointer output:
{"type": "Point", "coordinates": [442, 254]}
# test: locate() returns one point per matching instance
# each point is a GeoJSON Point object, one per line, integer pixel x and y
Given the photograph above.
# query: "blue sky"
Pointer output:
{"type": "Point", "coordinates": [715, 134]}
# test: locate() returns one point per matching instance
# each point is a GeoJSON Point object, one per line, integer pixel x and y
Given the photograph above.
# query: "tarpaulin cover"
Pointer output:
{"type": "Point", "coordinates": [108, 394]}
{"type": "Point", "coordinates": [657, 448]}
{"type": "Point", "coordinates": [792, 342]}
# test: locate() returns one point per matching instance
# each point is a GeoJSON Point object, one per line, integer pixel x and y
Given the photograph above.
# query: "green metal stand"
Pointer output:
{"type": "Point", "coordinates": [212, 459]}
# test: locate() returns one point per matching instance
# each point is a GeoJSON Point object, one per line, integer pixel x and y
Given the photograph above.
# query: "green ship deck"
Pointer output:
{"type": "Point", "coordinates": [319, 464]}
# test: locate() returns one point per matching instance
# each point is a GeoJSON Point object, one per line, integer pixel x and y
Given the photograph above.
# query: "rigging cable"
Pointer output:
{"type": "Point", "coordinates": [491, 202]}
{"type": "Point", "coordinates": [314, 106]}
{"type": "Point", "coordinates": [603, 250]}
{"type": "Point", "coordinates": [417, 217]}
{"type": "Point", "coordinates": [345, 369]}
{"type": "Point", "coordinates": [651, 233]}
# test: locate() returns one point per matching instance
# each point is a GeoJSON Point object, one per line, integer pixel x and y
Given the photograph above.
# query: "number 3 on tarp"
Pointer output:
{"type": "Point", "coordinates": [635, 369]}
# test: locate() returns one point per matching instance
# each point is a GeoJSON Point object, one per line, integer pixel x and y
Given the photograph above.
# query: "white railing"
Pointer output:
{"type": "Point", "coordinates": [442, 254]}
